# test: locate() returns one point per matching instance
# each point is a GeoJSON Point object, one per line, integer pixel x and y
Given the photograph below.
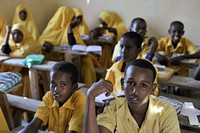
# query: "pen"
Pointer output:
{"type": "Point", "coordinates": [113, 94]}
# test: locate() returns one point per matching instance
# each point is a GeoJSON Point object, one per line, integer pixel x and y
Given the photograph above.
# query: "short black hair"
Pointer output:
{"type": "Point", "coordinates": [67, 67]}
{"type": "Point", "coordinates": [142, 63]}
{"type": "Point", "coordinates": [134, 36]}
{"type": "Point", "coordinates": [137, 19]}
{"type": "Point", "coordinates": [177, 23]}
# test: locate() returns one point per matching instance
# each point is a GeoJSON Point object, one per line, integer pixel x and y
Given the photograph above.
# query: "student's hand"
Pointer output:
{"type": "Point", "coordinates": [8, 28]}
{"type": "Point", "coordinates": [176, 60]}
{"type": "Point", "coordinates": [162, 59]}
{"type": "Point", "coordinates": [99, 87]}
{"type": "Point", "coordinates": [47, 46]}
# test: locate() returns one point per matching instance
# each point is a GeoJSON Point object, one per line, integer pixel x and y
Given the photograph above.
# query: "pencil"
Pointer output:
{"type": "Point", "coordinates": [113, 94]}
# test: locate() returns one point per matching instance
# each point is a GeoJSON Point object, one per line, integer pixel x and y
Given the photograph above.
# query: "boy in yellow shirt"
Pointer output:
{"type": "Point", "coordinates": [139, 111]}
{"type": "Point", "coordinates": [62, 107]}
{"type": "Point", "coordinates": [170, 48]}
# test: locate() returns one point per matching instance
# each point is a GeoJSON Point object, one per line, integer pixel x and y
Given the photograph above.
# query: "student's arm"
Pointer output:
{"type": "Point", "coordinates": [5, 47]}
{"type": "Point", "coordinates": [33, 126]}
{"type": "Point", "coordinates": [71, 38]}
{"type": "Point", "coordinates": [177, 60]}
{"type": "Point", "coordinates": [90, 122]}
{"type": "Point", "coordinates": [197, 73]}
{"type": "Point", "coordinates": [161, 59]}
{"type": "Point", "coordinates": [154, 44]}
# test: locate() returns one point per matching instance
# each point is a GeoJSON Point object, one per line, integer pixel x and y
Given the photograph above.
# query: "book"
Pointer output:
{"type": "Point", "coordinates": [92, 48]}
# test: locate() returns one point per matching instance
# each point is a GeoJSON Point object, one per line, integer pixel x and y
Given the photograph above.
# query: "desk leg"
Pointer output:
{"type": "Point", "coordinates": [46, 80]}
{"type": "Point", "coordinates": [34, 83]}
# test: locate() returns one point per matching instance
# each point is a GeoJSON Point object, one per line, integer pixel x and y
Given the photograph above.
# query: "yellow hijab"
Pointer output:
{"type": "Point", "coordinates": [113, 20]}
{"type": "Point", "coordinates": [29, 23]}
{"type": "Point", "coordinates": [56, 30]}
{"type": "Point", "coordinates": [27, 46]}
{"type": "Point", "coordinates": [82, 27]}
{"type": "Point", "coordinates": [3, 23]}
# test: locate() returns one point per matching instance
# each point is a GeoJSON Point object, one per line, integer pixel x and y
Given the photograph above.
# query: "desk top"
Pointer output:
{"type": "Point", "coordinates": [182, 82]}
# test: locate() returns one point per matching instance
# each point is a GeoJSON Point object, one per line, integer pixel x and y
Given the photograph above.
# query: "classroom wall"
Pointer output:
{"type": "Point", "coordinates": [157, 13]}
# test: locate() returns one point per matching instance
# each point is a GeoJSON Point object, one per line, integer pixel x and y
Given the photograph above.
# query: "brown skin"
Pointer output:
{"type": "Point", "coordinates": [62, 88]}
{"type": "Point", "coordinates": [23, 15]}
{"type": "Point", "coordinates": [17, 36]}
{"type": "Point", "coordinates": [138, 84]}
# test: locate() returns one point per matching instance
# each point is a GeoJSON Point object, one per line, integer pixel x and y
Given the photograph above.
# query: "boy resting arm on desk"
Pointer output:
{"type": "Point", "coordinates": [139, 110]}
{"type": "Point", "coordinates": [62, 107]}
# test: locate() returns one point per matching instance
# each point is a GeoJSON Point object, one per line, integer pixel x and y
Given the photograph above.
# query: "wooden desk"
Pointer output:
{"type": "Point", "coordinates": [183, 120]}
{"type": "Point", "coordinates": [45, 67]}
{"type": "Point", "coordinates": [191, 62]}
{"type": "Point", "coordinates": [182, 82]}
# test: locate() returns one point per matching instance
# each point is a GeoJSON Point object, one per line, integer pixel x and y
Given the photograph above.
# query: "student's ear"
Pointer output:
{"type": "Point", "coordinates": [153, 88]}
{"type": "Point", "coordinates": [183, 32]}
{"type": "Point", "coordinates": [75, 86]}
{"type": "Point", "coordinates": [122, 83]}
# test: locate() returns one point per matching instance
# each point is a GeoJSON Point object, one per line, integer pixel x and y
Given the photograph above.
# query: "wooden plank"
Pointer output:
{"type": "Point", "coordinates": [182, 82]}
{"type": "Point", "coordinates": [23, 103]}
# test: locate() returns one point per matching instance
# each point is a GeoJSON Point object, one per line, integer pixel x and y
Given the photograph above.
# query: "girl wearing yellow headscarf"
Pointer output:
{"type": "Point", "coordinates": [24, 16]}
{"type": "Point", "coordinates": [19, 45]}
{"type": "Point", "coordinates": [57, 32]}
{"type": "Point", "coordinates": [112, 20]}
{"type": "Point", "coordinates": [82, 26]}
{"type": "Point", "coordinates": [3, 23]}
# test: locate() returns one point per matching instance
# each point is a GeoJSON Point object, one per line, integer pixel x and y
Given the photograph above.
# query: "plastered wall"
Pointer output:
{"type": "Point", "coordinates": [157, 13]}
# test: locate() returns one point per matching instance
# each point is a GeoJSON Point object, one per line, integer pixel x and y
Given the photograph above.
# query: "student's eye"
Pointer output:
{"type": "Point", "coordinates": [144, 86]}
{"type": "Point", "coordinates": [130, 83]}
{"type": "Point", "coordinates": [63, 84]}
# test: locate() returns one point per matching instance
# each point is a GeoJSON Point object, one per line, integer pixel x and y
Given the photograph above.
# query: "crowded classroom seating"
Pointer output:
{"type": "Point", "coordinates": [138, 65]}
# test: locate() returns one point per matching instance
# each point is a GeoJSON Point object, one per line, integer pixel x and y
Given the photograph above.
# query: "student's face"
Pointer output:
{"type": "Point", "coordinates": [79, 19]}
{"type": "Point", "coordinates": [140, 27]}
{"type": "Point", "coordinates": [17, 36]}
{"type": "Point", "coordinates": [176, 32]}
{"type": "Point", "coordinates": [128, 49]}
{"type": "Point", "coordinates": [61, 86]}
{"type": "Point", "coordinates": [22, 15]}
{"type": "Point", "coordinates": [138, 85]}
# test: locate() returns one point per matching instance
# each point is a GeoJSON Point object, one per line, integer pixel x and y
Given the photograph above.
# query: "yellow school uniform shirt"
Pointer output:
{"type": "Point", "coordinates": [4, 127]}
{"type": "Point", "coordinates": [119, 116]}
{"type": "Point", "coordinates": [185, 46]}
{"type": "Point", "coordinates": [29, 22]}
{"type": "Point", "coordinates": [114, 75]}
{"type": "Point", "coordinates": [65, 118]}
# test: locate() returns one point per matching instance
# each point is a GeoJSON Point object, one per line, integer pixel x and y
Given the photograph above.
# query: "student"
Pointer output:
{"type": "Point", "coordinates": [139, 111]}
{"type": "Point", "coordinates": [170, 48]}
{"type": "Point", "coordinates": [62, 107]}
{"type": "Point", "coordinates": [19, 45]}
{"type": "Point", "coordinates": [4, 126]}
{"type": "Point", "coordinates": [149, 46]}
{"type": "Point", "coordinates": [24, 16]}
{"type": "Point", "coordinates": [82, 26]}
{"type": "Point", "coordinates": [61, 29]}
{"type": "Point", "coordinates": [111, 24]}
{"type": "Point", "coordinates": [3, 23]}
{"type": "Point", "coordinates": [130, 44]}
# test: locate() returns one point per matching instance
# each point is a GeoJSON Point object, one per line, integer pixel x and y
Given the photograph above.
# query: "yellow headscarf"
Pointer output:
{"type": "Point", "coordinates": [113, 20]}
{"type": "Point", "coordinates": [56, 30]}
{"type": "Point", "coordinates": [3, 23]}
{"type": "Point", "coordinates": [29, 23]}
{"type": "Point", "coordinates": [26, 46]}
{"type": "Point", "coordinates": [82, 27]}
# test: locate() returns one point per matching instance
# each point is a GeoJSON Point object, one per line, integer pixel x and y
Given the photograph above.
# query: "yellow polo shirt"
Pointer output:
{"type": "Point", "coordinates": [62, 119]}
{"type": "Point", "coordinates": [4, 127]}
{"type": "Point", "coordinates": [185, 46]}
{"type": "Point", "coordinates": [163, 121]}
{"type": "Point", "coordinates": [114, 75]}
